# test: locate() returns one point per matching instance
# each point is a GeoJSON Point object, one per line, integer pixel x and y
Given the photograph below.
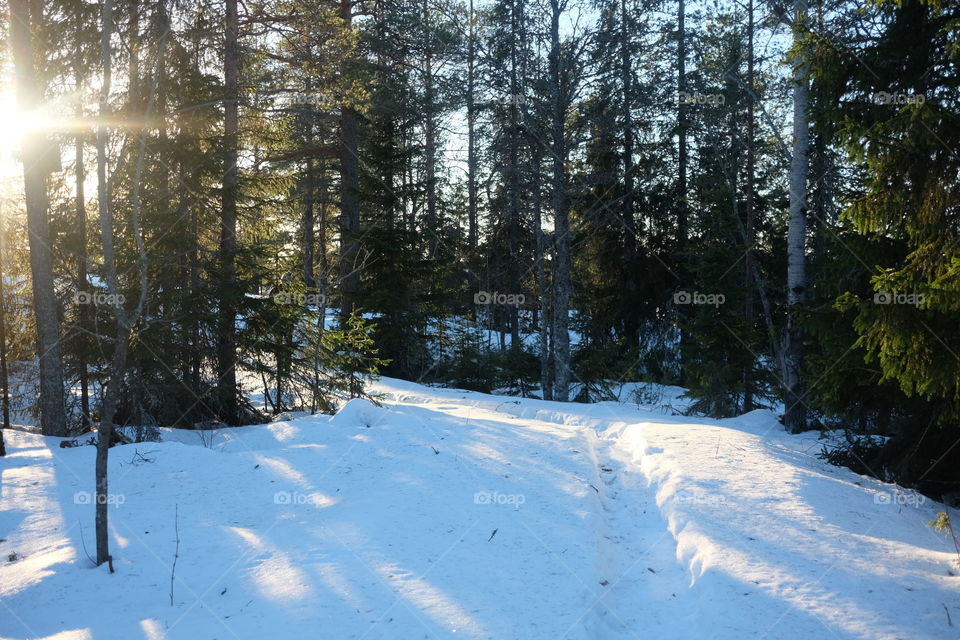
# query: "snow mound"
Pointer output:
{"type": "Point", "coordinates": [359, 412]}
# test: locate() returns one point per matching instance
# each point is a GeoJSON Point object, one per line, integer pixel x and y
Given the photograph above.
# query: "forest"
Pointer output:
{"type": "Point", "coordinates": [213, 214]}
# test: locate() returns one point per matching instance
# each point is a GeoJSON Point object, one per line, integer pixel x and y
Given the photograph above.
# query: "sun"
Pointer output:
{"type": "Point", "coordinates": [14, 123]}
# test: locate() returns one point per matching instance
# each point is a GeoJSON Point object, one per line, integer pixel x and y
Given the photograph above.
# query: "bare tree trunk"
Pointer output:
{"type": "Point", "coordinates": [349, 211]}
{"type": "Point", "coordinates": [543, 287]}
{"type": "Point", "coordinates": [682, 126]}
{"type": "Point", "coordinates": [170, 277]}
{"type": "Point", "coordinates": [124, 321]}
{"type": "Point", "coordinates": [682, 200]}
{"type": "Point", "coordinates": [631, 326]}
{"type": "Point", "coordinates": [226, 331]}
{"type": "Point", "coordinates": [82, 283]}
{"type": "Point", "coordinates": [430, 138]}
{"type": "Point", "coordinates": [795, 415]}
{"type": "Point", "coordinates": [472, 223]}
{"type": "Point", "coordinates": [626, 79]}
{"type": "Point", "coordinates": [430, 160]}
{"type": "Point", "coordinates": [349, 195]}
{"type": "Point", "coordinates": [104, 436]}
{"type": "Point", "coordinates": [513, 211]}
{"type": "Point", "coordinates": [309, 229]}
{"type": "Point", "coordinates": [748, 313]}
{"type": "Point", "coordinates": [37, 154]}
{"type": "Point", "coordinates": [561, 214]}
{"type": "Point", "coordinates": [192, 350]}
{"type": "Point", "coordinates": [105, 430]}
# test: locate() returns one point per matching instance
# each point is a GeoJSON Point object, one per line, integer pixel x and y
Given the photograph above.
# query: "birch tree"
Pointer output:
{"type": "Point", "coordinates": [795, 418]}
{"type": "Point", "coordinates": [125, 321]}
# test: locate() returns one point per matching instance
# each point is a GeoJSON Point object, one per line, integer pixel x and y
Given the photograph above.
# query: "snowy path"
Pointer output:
{"type": "Point", "coordinates": [454, 514]}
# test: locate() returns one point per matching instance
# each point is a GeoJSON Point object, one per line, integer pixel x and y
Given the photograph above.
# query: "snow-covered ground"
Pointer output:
{"type": "Point", "coordinates": [451, 514]}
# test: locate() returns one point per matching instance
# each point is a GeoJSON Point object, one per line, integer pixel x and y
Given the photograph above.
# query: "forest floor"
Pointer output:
{"type": "Point", "coordinates": [452, 514]}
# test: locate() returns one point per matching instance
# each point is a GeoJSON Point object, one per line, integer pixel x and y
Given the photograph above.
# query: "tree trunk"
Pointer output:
{"type": "Point", "coordinates": [472, 224]}
{"type": "Point", "coordinates": [681, 126]}
{"type": "Point", "coordinates": [349, 196]}
{"type": "Point", "coordinates": [430, 160]}
{"type": "Point", "coordinates": [546, 378]}
{"type": "Point", "coordinates": [37, 154]}
{"type": "Point", "coordinates": [682, 201]}
{"type": "Point", "coordinates": [309, 229]}
{"type": "Point", "coordinates": [795, 415]}
{"type": "Point", "coordinates": [105, 429]}
{"type": "Point", "coordinates": [170, 277]}
{"type": "Point", "coordinates": [124, 321]}
{"type": "Point", "coordinates": [226, 338]}
{"type": "Point", "coordinates": [104, 436]}
{"type": "Point", "coordinates": [513, 212]}
{"type": "Point", "coordinates": [561, 215]}
{"type": "Point", "coordinates": [626, 79]}
{"type": "Point", "coordinates": [631, 327]}
{"type": "Point", "coordinates": [748, 314]}
{"type": "Point", "coordinates": [430, 138]}
{"type": "Point", "coordinates": [349, 211]}
{"type": "Point", "coordinates": [82, 283]}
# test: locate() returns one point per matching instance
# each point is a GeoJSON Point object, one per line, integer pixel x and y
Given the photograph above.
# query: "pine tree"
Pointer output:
{"type": "Point", "coordinates": [38, 157]}
{"type": "Point", "coordinates": [898, 130]}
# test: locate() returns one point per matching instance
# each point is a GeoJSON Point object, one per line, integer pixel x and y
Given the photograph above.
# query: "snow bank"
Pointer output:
{"type": "Point", "coordinates": [446, 513]}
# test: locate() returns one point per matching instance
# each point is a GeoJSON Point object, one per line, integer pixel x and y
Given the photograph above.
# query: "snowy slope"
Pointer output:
{"type": "Point", "coordinates": [447, 513]}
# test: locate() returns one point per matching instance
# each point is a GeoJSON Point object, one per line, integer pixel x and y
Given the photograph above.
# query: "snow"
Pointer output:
{"type": "Point", "coordinates": [445, 513]}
